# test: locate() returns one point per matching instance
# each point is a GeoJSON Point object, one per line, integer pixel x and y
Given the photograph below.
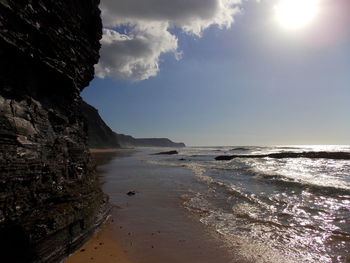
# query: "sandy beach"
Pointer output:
{"type": "Point", "coordinates": [102, 247]}
{"type": "Point", "coordinates": [151, 225]}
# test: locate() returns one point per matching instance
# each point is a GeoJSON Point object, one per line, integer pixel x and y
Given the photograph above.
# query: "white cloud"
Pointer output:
{"type": "Point", "coordinates": [134, 55]}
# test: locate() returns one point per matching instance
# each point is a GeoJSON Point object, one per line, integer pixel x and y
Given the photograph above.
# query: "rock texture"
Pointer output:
{"type": "Point", "coordinates": [101, 136]}
{"type": "Point", "coordinates": [50, 199]}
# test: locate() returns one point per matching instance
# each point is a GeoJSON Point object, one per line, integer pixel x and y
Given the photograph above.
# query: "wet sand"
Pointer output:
{"type": "Point", "coordinates": [151, 226]}
{"type": "Point", "coordinates": [102, 247]}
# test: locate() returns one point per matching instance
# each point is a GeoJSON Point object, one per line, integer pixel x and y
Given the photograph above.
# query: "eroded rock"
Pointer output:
{"type": "Point", "coordinates": [50, 198]}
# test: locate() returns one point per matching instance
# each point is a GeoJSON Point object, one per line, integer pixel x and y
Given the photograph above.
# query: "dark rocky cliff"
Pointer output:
{"type": "Point", "coordinates": [157, 142]}
{"type": "Point", "coordinates": [101, 136]}
{"type": "Point", "coordinates": [50, 199]}
{"type": "Point", "coordinates": [127, 141]}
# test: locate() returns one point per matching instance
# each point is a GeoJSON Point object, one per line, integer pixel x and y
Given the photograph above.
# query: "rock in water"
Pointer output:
{"type": "Point", "coordinates": [166, 153]}
{"type": "Point", "coordinates": [283, 155]}
{"type": "Point", "coordinates": [50, 199]}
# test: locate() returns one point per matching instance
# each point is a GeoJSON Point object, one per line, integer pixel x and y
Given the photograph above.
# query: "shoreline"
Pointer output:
{"type": "Point", "coordinates": [152, 225]}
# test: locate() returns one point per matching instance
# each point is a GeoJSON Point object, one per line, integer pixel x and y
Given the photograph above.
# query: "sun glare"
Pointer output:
{"type": "Point", "coordinates": [295, 14]}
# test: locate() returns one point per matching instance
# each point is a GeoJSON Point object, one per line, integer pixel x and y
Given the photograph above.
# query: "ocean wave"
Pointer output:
{"type": "Point", "coordinates": [283, 155]}
{"type": "Point", "coordinates": [197, 169]}
{"type": "Point", "coordinates": [241, 149]}
{"type": "Point", "coordinates": [248, 225]}
{"type": "Point", "coordinates": [297, 207]}
{"type": "Point", "coordinates": [249, 245]}
{"type": "Point", "coordinates": [330, 188]}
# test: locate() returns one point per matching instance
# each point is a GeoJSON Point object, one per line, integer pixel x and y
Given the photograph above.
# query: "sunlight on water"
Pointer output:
{"type": "Point", "coordinates": [327, 173]}
{"type": "Point", "coordinates": [273, 209]}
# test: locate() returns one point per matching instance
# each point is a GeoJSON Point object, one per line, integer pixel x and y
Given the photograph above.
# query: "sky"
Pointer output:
{"type": "Point", "coordinates": [224, 72]}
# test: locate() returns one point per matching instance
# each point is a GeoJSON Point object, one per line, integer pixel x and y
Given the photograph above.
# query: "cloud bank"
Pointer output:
{"type": "Point", "coordinates": [134, 55]}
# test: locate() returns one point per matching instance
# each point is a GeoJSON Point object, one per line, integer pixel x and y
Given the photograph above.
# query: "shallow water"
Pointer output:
{"type": "Point", "coordinates": [152, 225]}
{"type": "Point", "coordinates": [271, 210]}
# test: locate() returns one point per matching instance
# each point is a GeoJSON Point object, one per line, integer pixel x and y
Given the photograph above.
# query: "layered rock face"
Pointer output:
{"type": "Point", "coordinates": [50, 198]}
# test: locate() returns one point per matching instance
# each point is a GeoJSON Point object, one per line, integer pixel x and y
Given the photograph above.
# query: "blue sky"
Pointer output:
{"type": "Point", "coordinates": [255, 83]}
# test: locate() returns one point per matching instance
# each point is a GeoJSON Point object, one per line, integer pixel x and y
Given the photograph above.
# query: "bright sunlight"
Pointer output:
{"type": "Point", "coordinates": [295, 14]}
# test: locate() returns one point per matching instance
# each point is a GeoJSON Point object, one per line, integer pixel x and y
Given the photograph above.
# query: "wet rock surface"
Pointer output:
{"type": "Point", "coordinates": [50, 198]}
{"type": "Point", "coordinates": [131, 193]}
{"type": "Point", "coordinates": [167, 153]}
{"type": "Point", "coordinates": [311, 155]}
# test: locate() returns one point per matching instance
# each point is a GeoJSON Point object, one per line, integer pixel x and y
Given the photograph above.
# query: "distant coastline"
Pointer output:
{"type": "Point", "coordinates": [101, 136]}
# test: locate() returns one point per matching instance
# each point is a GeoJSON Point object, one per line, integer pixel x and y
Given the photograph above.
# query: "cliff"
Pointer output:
{"type": "Point", "coordinates": [158, 142]}
{"type": "Point", "coordinates": [101, 136]}
{"type": "Point", "coordinates": [50, 199]}
{"type": "Point", "coordinates": [127, 141]}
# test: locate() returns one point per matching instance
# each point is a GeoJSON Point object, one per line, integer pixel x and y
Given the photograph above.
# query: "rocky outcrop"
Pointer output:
{"type": "Point", "coordinates": [166, 153]}
{"type": "Point", "coordinates": [311, 155]}
{"type": "Point", "coordinates": [50, 199]}
{"type": "Point", "coordinates": [101, 136]}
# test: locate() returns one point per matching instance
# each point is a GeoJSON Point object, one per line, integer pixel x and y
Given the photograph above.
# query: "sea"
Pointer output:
{"type": "Point", "coordinates": [270, 210]}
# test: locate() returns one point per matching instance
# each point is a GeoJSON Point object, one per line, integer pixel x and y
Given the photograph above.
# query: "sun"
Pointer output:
{"type": "Point", "coordinates": [295, 14]}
